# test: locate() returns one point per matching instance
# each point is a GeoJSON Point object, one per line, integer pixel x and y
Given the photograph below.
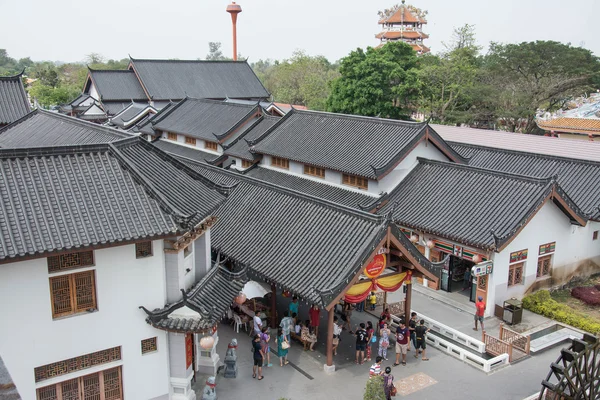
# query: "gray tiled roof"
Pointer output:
{"type": "Point", "coordinates": [363, 146]}
{"type": "Point", "coordinates": [211, 297]}
{"type": "Point", "coordinates": [185, 151]}
{"type": "Point", "coordinates": [240, 147]}
{"type": "Point", "coordinates": [322, 190]}
{"type": "Point", "coordinates": [323, 243]}
{"type": "Point", "coordinates": [579, 178]}
{"type": "Point", "coordinates": [467, 204]}
{"type": "Point", "coordinates": [203, 119]}
{"type": "Point", "coordinates": [43, 128]}
{"type": "Point", "coordinates": [114, 107]}
{"type": "Point", "coordinates": [132, 114]}
{"type": "Point", "coordinates": [72, 197]}
{"type": "Point", "coordinates": [8, 390]}
{"type": "Point", "coordinates": [176, 79]}
{"type": "Point", "coordinates": [13, 99]}
{"type": "Point", "coordinates": [117, 85]}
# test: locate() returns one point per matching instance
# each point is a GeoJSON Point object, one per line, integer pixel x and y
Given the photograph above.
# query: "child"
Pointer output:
{"type": "Point", "coordinates": [264, 341]}
{"type": "Point", "coordinates": [373, 301]}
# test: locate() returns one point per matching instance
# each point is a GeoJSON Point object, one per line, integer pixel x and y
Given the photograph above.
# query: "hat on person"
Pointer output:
{"type": "Point", "coordinates": [480, 298]}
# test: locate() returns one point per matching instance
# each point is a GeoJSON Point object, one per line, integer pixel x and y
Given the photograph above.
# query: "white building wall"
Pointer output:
{"type": "Point", "coordinates": [424, 149]}
{"type": "Point", "coordinates": [29, 337]}
{"type": "Point", "coordinates": [575, 254]}
{"type": "Point", "coordinates": [200, 144]}
{"type": "Point", "coordinates": [93, 92]}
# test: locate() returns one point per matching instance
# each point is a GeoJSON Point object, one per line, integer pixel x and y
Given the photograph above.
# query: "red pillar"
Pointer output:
{"type": "Point", "coordinates": [407, 300]}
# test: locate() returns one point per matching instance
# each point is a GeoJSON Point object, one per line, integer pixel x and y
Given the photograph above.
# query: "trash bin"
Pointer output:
{"type": "Point", "coordinates": [513, 311]}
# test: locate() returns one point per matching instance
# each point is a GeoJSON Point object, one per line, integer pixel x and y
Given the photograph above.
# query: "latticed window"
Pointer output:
{"type": "Point", "coordinates": [73, 293]}
{"type": "Point", "coordinates": [211, 145]}
{"type": "Point", "coordinates": [246, 164]}
{"type": "Point", "coordinates": [143, 249]}
{"type": "Point", "coordinates": [544, 266]}
{"type": "Point", "coordinates": [314, 171]}
{"type": "Point", "coordinates": [190, 140]}
{"type": "Point", "coordinates": [103, 385]}
{"type": "Point", "coordinates": [280, 162]}
{"type": "Point", "coordinates": [515, 274]}
{"type": "Point", "coordinates": [356, 181]}
{"type": "Point", "coordinates": [70, 261]}
{"type": "Point", "coordinates": [149, 345]}
{"type": "Point", "coordinates": [77, 364]}
{"type": "Point", "coordinates": [595, 235]}
{"type": "Point", "coordinates": [172, 136]}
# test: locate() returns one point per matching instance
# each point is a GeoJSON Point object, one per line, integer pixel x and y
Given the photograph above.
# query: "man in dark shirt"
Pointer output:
{"type": "Point", "coordinates": [420, 332]}
{"type": "Point", "coordinates": [258, 357]}
{"type": "Point", "coordinates": [361, 343]}
{"type": "Point", "coordinates": [402, 335]}
{"type": "Point", "coordinates": [412, 324]}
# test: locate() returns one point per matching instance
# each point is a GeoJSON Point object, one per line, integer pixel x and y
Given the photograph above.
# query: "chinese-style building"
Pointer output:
{"type": "Point", "coordinates": [13, 99]}
{"type": "Point", "coordinates": [580, 121]}
{"type": "Point", "coordinates": [407, 25]}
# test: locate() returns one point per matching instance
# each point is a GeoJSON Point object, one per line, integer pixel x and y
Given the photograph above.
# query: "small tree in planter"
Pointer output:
{"type": "Point", "coordinates": [374, 389]}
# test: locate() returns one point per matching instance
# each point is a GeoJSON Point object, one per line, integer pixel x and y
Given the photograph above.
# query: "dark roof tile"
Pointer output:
{"type": "Point", "coordinates": [13, 99]}
{"type": "Point", "coordinates": [115, 85]}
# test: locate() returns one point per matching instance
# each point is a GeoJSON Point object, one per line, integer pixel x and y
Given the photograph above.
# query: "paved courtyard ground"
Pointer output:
{"type": "Point", "coordinates": [442, 377]}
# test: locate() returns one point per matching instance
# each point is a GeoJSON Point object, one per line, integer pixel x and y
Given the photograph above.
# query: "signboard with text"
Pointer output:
{"type": "Point", "coordinates": [375, 267]}
{"type": "Point", "coordinates": [483, 268]}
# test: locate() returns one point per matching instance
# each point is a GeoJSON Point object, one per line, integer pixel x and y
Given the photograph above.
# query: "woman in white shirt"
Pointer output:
{"type": "Point", "coordinates": [337, 330]}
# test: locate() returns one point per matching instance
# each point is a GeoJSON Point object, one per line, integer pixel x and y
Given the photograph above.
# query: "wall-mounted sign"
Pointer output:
{"type": "Point", "coordinates": [547, 248]}
{"type": "Point", "coordinates": [518, 256]}
{"type": "Point", "coordinates": [375, 267]}
{"type": "Point", "coordinates": [456, 250]}
{"type": "Point", "coordinates": [189, 349]}
{"type": "Point", "coordinates": [483, 268]}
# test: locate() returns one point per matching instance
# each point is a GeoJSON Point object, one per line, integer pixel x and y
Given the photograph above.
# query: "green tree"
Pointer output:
{"type": "Point", "coordinates": [302, 79]}
{"type": "Point", "coordinates": [525, 77]}
{"type": "Point", "coordinates": [49, 96]}
{"type": "Point", "coordinates": [381, 81]}
{"type": "Point", "coordinates": [374, 389]}
{"type": "Point", "coordinates": [215, 52]}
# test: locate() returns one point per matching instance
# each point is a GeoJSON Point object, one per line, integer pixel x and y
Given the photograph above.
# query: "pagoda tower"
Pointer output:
{"type": "Point", "coordinates": [405, 24]}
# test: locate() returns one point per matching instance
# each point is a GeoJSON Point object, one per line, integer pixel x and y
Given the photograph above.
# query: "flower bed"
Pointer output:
{"type": "Point", "coordinates": [588, 294]}
{"type": "Point", "coordinates": [540, 302]}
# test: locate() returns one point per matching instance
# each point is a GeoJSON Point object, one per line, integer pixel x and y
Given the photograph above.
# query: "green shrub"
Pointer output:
{"type": "Point", "coordinates": [374, 389]}
{"type": "Point", "coordinates": [540, 302]}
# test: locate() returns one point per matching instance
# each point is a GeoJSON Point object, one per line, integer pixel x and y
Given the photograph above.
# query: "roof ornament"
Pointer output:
{"type": "Point", "coordinates": [496, 239]}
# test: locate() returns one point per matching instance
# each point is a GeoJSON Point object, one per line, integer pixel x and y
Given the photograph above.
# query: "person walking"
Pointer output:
{"type": "Point", "coordinates": [402, 337]}
{"type": "Point", "coordinates": [384, 341]}
{"type": "Point", "coordinates": [479, 312]}
{"type": "Point", "coordinates": [412, 324]}
{"type": "Point", "coordinates": [286, 325]}
{"type": "Point", "coordinates": [315, 317]}
{"type": "Point", "coordinates": [420, 332]}
{"type": "Point", "coordinates": [281, 352]}
{"type": "Point", "coordinates": [373, 301]}
{"type": "Point", "coordinates": [370, 336]}
{"type": "Point", "coordinates": [258, 357]}
{"type": "Point", "coordinates": [337, 331]}
{"type": "Point", "coordinates": [361, 344]}
{"type": "Point", "coordinates": [293, 307]}
{"type": "Point", "coordinates": [388, 384]}
{"type": "Point", "coordinates": [307, 337]}
{"type": "Point", "coordinates": [264, 341]}
{"type": "Point", "coordinates": [376, 368]}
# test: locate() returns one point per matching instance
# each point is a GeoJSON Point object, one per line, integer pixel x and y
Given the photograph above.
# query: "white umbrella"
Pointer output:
{"type": "Point", "coordinates": [254, 289]}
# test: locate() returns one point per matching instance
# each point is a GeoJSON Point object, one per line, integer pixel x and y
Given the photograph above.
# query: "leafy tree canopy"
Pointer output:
{"type": "Point", "coordinates": [379, 82]}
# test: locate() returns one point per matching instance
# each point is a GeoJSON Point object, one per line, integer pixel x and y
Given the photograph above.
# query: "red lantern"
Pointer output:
{"type": "Point", "coordinates": [476, 258]}
{"type": "Point", "coordinates": [286, 293]}
{"type": "Point", "coordinates": [241, 298]}
{"type": "Point", "coordinates": [207, 342]}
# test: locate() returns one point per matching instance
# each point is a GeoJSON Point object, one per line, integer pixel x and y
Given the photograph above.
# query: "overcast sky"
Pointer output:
{"type": "Point", "coordinates": [67, 30]}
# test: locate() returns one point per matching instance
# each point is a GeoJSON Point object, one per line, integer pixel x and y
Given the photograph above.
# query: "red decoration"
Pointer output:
{"type": "Point", "coordinates": [375, 267]}
{"type": "Point", "coordinates": [189, 349]}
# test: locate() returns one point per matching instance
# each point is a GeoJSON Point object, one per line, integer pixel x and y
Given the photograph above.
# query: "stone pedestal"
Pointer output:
{"type": "Point", "coordinates": [329, 369]}
{"type": "Point", "coordinates": [182, 389]}
{"type": "Point", "coordinates": [207, 361]}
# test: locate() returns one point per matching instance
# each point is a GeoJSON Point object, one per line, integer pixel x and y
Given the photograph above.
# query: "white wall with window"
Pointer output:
{"type": "Point", "coordinates": [30, 336]}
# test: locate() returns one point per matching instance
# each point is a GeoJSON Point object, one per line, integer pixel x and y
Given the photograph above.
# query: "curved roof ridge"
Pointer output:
{"type": "Point", "coordinates": [239, 123]}
{"type": "Point", "coordinates": [525, 153]}
{"type": "Point", "coordinates": [271, 129]}
{"type": "Point", "coordinates": [12, 77]}
{"type": "Point", "coordinates": [186, 61]}
{"type": "Point", "coordinates": [360, 117]}
{"type": "Point", "coordinates": [240, 137]}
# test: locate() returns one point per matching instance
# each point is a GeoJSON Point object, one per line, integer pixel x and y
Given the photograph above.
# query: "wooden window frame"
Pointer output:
{"type": "Point", "coordinates": [75, 364]}
{"type": "Point", "coordinates": [280, 162]}
{"type": "Point", "coordinates": [512, 273]}
{"type": "Point", "coordinates": [149, 345]}
{"type": "Point", "coordinates": [355, 181]}
{"type": "Point", "coordinates": [246, 164]}
{"type": "Point", "coordinates": [141, 252]}
{"type": "Point", "coordinates": [540, 273]}
{"type": "Point", "coordinates": [595, 235]}
{"type": "Point", "coordinates": [172, 136]}
{"type": "Point", "coordinates": [71, 290]}
{"type": "Point", "coordinates": [99, 390]}
{"type": "Point", "coordinates": [214, 146]}
{"type": "Point", "coordinates": [67, 261]}
{"type": "Point", "coordinates": [190, 140]}
{"type": "Point", "coordinates": [314, 171]}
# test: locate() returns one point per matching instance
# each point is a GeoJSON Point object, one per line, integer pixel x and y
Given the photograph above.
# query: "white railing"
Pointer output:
{"type": "Point", "coordinates": [446, 331]}
{"type": "Point", "coordinates": [467, 355]}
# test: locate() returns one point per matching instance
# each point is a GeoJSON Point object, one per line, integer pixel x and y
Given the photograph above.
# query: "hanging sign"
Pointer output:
{"type": "Point", "coordinates": [375, 267]}
{"type": "Point", "coordinates": [547, 248]}
{"type": "Point", "coordinates": [518, 256]}
{"type": "Point", "coordinates": [483, 268]}
{"type": "Point", "coordinates": [189, 349]}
